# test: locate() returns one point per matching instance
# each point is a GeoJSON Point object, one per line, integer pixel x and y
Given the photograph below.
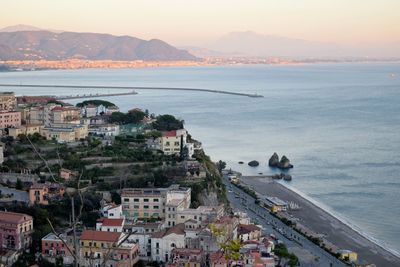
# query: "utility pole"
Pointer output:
{"type": "Point", "coordinates": [76, 250]}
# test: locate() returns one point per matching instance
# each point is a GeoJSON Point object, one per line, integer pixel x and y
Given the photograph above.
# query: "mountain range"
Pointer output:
{"type": "Point", "coordinates": [248, 43]}
{"type": "Point", "coordinates": [29, 42]}
{"type": "Point", "coordinates": [22, 42]}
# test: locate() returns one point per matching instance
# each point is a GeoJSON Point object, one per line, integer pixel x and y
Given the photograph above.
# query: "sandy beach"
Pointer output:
{"type": "Point", "coordinates": [321, 221]}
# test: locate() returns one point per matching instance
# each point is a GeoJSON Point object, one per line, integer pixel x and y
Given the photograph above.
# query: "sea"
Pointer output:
{"type": "Point", "coordinates": [339, 124]}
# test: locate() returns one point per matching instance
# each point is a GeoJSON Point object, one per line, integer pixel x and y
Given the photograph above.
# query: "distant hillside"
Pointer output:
{"type": "Point", "coordinates": [19, 45]}
{"type": "Point", "coordinates": [253, 44]}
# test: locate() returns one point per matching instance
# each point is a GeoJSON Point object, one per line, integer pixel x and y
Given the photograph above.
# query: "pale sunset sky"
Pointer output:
{"type": "Point", "coordinates": [190, 22]}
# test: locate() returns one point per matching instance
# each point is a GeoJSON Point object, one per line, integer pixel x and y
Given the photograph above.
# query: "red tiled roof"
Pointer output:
{"type": "Point", "coordinates": [178, 229]}
{"type": "Point", "coordinates": [57, 108]}
{"type": "Point", "coordinates": [247, 228]}
{"type": "Point", "coordinates": [112, 206]}
{"type": "Point", "coordinates": [111, 221]}
{"type": "Point", "coordinates": [218, 257]}
{"type": "Point", "coordinates": [13, 217]}
{"type": "Point", "coordinates": [169, 134]}
{"type": "Point", "coordinates": [38, 186]}
{"type": "Point", "coordinates": [100, 236]}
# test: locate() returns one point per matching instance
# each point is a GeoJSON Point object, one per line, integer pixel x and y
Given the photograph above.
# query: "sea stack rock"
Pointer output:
{"type": "Point", "coordinates": [285, 163]}
{"type": "Point", "coordinates": [274, 160]}
{"type": "Point", "coordinates": [253, 163]}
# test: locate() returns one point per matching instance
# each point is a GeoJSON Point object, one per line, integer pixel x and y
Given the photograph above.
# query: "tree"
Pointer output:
{"type": "Point", "coordinates": [221, 165]}
{"type": "Point", "coordinates": [19, 185]}
{"type": "Point", "coordinates": [167, 123]}
{"type": "Point", "coordinates": [231, 249]}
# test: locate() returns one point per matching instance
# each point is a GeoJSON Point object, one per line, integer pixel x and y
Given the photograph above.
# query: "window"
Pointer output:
{"type": "Point", "coordinates": [177, 143]}
{"type": "Point", "coordinates": [136, 206]}
{"type": "Point", "coordinates": [155, 200]}
{"type": "Point", "coordinates": [167, 143]}
{"type": "Point", "coordinates": [146, 200]}
{"type": "Point", "coordinates": [135, 200]}
{"type": "Point", "coordinates": [126, 199]}
{"type": "Point", "coordinates": [145, 214]}
{"type": "Point", "coordinates": [156, 207]}
{"type": "Point", "coordinates": [146, 206]}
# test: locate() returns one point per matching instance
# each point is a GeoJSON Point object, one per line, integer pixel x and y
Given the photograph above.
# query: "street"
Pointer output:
{"type": "Point", "coordinates": [308, 253]}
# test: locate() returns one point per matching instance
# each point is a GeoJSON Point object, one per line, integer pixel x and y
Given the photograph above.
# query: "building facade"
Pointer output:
{"type": "Point", "coordinates": [10, 119]}
{"type": "Point", "coordinates": [15, 230]}
{"type": "Point", "coordinates": [8, 101]}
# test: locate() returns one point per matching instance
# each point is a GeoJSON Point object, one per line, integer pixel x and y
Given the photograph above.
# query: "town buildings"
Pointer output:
{"type": "Point", "coordinates": [105, 130]}
{"type": "Point", "coordinates": [42, 193]}
{"type": "Point", "coordinates": [15, 235]}
{"type": "Point", "coordinates": [110, 224]}
{"type": "Point", "coordinates": [112, 211]}
{"type": "Point", "coordinates": [8, 101]}
{"type": "Point", "coordinates": [58, 246]}
{"type": "Point", "coordinates": [65, 133]}
{"type": "Point", "coordinates": [28, 129]}
{"type": "Point", "coordinates": [110, 248]}
{"type": "Point", "coordinates": [152, 202]}
{"type": "Point", "coordinates": [10, 119]}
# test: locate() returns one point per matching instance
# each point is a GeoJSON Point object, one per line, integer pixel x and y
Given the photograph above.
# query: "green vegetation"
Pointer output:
{"type": "Point", "coordinates": [167, 123]}
{"type": "Point", "coordinates": [133, 116]}
{"type": "Point", "coordinates": [96, 102]}
{"type": "Point", "coordinates": [221, 165]}
{"type": "Point", "coordinates": [282, 252]}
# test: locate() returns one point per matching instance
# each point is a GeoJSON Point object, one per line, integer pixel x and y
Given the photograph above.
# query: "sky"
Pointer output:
{"type": "Point", "coordinates": [196, 22]}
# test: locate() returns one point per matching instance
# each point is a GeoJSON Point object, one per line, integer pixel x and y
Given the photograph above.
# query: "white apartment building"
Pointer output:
{"type": "Point", "coordinates": [110, 225]}
{"type": "Point", "coordinates": [109, 129]}
{"type": "Point", "coordinates": [112, 211]}
{"type": "Point", "coordinates": [151, 202]}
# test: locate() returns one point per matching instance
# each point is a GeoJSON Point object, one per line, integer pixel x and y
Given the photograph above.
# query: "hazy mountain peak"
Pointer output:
{"type": "Point", "coordinates": [20, 28]}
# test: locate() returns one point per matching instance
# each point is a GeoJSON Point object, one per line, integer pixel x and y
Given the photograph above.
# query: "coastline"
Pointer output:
{"type": "Point", "coordinates": [342, 220]}
{"type": "Point", "coordinates": [322, 220]}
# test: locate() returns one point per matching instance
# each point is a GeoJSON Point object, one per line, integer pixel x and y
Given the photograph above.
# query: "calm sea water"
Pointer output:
{"type": "Point", "coordinates": [338, 123]}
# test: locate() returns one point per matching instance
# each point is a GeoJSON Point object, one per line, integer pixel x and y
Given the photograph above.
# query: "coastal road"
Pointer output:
{"type": "Point", "coordinates": [308, 253]}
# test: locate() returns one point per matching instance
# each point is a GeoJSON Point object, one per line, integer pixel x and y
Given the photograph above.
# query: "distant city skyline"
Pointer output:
{"type": "Point", "coordinates": [179, 22]}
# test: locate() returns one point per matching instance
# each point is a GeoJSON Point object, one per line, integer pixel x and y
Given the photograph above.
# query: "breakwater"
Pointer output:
{"type": "Point", "coordinates": [131, 88]}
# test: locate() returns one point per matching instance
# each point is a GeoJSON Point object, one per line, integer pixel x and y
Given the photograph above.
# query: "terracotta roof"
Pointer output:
{"type": "Point", "coordinates": [57, 109]}
{"type": "Point", "coordinates": [178, 229]}
{"type": "Point", "coordinates": [169, 134]}
{"type": "Point", "coordinates": [218, 257]}
{"type": "Point", "coordinates": [247, 228]}
{"type": "Point", "coordinates": [13, 217]}
{"type": "Point", "coordinates": [38, 186]}
{"type": "Point", "coordinates": [111, 222]}
{"type": "Point", "coordinates": [111, 206]}
{"type": "Point", "coordinates": [100, 236]}
{"type": "Point", "coordinates": [187, 251]}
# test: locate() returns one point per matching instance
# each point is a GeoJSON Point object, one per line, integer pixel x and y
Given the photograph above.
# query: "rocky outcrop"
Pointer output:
{"type": "Point", "coordinates": [253, 163]}
{"type": "Point", "coordinates": [284, 176]}
{"type": "Point", "coordinates": [273, 160]}
{"type": "Point", "coordinates": [284, 163]}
